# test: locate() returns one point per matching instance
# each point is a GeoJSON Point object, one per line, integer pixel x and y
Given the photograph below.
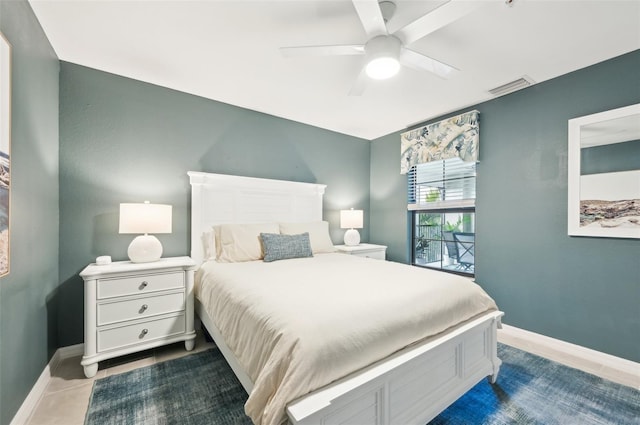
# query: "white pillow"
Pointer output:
{"type": "Point", "coordinates": [318, 234]}
{"type": "Point", "coordinates": [241, 242]}
{"type": "Point", "coordinates": [209, 245]}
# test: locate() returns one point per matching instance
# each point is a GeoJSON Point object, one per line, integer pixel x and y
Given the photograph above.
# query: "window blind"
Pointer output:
{"type": "Point", "coordinates": [448, 183]}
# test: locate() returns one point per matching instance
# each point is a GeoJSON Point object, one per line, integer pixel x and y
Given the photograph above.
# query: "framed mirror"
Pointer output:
{"type": "Point", "coordinates": [604, 174]}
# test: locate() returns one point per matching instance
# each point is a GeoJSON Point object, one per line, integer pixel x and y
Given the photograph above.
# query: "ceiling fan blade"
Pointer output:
{"type": "Point", "coordinates": [420, 62]}
{"type": "Point", "coordinates": [371, 17]}
{"type": "Point", "coordinates": [436, 19]}
{"type": "Point", "coordinates": [350, 49]}
{"type": "Point", "coordinates": [360, 83]}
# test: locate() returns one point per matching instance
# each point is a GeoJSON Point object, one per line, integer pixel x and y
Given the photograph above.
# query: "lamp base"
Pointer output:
{"type": "Point", "coordinates": [351, 237]}
{"type": "Point", "coordinates": [145, 249]}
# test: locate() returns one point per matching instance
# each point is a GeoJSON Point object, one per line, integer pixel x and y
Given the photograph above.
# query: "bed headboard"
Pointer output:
{"type": "Point", "coordinates": [222, 198]}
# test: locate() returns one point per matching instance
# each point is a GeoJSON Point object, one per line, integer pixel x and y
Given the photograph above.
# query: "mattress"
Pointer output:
{"type": "Point", "coordinates": [297, 325]}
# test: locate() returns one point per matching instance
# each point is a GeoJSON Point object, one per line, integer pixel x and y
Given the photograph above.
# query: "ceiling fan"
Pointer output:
{"type": "Point", "coordinates": [385, 51]}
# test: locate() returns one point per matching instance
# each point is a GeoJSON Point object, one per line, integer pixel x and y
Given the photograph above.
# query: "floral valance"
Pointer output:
{"type": "Point", "coordinates": [458, 136]}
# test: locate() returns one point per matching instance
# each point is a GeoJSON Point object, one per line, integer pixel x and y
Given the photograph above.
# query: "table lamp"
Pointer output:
{"type": "Point", "coordinates": [352, 220]}
{"type": "Point", "coordinates": [144, 219]}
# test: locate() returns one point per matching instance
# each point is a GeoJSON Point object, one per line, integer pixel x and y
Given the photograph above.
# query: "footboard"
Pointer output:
{"type": "Point", "coordinates": [411, 387]}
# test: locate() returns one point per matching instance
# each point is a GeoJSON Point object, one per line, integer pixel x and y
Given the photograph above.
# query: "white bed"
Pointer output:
{"type": "Point", "coordinates": [383, 384]}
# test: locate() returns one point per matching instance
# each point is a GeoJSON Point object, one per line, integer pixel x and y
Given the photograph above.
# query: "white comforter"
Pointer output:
{"type": "Point", "coordinates": [297, 325]}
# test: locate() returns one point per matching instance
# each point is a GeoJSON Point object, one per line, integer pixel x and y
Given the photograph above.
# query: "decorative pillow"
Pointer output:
{"type": "Point", "coordinates": [318, 234]}
{"type": "Point", "coordinates": [241, 242]}
{"type": "Point", "coordinates": [283, 247]}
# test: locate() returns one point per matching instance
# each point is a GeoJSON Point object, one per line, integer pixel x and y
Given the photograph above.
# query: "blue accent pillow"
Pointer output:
{"type": "Point", "coordinates": [282, 247]}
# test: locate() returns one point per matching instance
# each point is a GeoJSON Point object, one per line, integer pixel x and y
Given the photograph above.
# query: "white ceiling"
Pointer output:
{"type": "Point", "coordinates": [228, 51]}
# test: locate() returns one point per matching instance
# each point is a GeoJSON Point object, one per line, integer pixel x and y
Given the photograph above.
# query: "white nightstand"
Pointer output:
{"type": "Point", "coordinates": [130, 307]}
{"type": "Point", "coordinates": [368, 250]}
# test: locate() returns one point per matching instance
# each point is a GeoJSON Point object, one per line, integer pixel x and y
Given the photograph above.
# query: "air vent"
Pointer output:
{"type": "Point", "coordinates": [515, 85]}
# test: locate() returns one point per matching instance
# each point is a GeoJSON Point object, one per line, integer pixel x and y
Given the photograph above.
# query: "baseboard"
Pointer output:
{"type": "Point", "coordinates": [616, 369]}
{"type": "Point", "coordinates": [31, 401]}
{"type": "Point", "coordinates": [71, 351]}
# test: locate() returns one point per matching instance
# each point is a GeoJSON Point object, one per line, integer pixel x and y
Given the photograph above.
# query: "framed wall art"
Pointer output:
{"type": "Point", "coordinates": [5, 153]}
{"type": "Point", "coordinates": [604, 174]}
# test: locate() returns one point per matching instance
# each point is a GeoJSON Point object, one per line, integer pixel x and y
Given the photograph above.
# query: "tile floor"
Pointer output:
{"type": "Point", "coordinates": [66, 397]}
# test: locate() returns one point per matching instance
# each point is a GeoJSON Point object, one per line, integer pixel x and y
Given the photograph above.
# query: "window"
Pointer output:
{"type": "Point", "coordinates": [445, 240]}
{"type": "Point", "coordinates": [442, 200]}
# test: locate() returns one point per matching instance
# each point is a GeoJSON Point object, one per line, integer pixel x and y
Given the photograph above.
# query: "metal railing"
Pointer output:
{"type": "Point", "coordinates": [428, 243]}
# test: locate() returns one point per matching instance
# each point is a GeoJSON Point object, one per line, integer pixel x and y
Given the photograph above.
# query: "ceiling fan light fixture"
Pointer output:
{"type": "Point", "coordinates": [382, 57]}
{"type": "Point", "coordinates": [382, 68]}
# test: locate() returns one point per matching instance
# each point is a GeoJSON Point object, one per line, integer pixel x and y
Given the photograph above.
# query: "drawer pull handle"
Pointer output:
{"type": "Point", "coordinates": [143, 333]}
{"type": "Point", "coordinates": [143, 285]}
{"type": "Point", "coordinates": [143, 308]}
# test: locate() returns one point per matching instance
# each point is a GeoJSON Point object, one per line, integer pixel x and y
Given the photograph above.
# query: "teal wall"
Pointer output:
{"type": "Point", "coordinates": [122, 140]}
{"type": "Point", "coordinates": [582, 290]}
{"type": "Point", "coordinates": [28, 326]}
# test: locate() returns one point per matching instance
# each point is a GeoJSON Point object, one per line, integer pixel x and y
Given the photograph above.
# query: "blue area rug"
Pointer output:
{"type": "Point", "coordinates": [533, 390]}
{"type": "Point", "coordinates": [201, 389]}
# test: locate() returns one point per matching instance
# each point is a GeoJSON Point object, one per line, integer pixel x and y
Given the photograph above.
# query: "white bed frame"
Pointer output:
{"type": "Point", "coordinates": [410, 387]}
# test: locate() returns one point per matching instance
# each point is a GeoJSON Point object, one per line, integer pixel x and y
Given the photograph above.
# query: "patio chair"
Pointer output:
{"type": "Point", "coordinates": [452, 249]}
{"type": "Point", "coordinates": [465, 243]}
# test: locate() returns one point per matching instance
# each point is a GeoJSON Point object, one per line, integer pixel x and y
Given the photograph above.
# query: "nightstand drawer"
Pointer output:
{"type": "Point", "coordinates": [118, 311]}
{"type": "Point", "coordinates": [366, 250]}
{"type": "Point", "coordinates": [376, 255]}
{"type": "Point", "coordinates": [139, 333]}
{"type": "Point", "coordinates": [108, 288]}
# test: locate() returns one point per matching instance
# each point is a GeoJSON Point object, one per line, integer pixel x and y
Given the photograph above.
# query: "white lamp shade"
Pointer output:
{"type": "Point", "coordinates": [351, 219]}
{"type": "Point", "coordinates": [145, 218]}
